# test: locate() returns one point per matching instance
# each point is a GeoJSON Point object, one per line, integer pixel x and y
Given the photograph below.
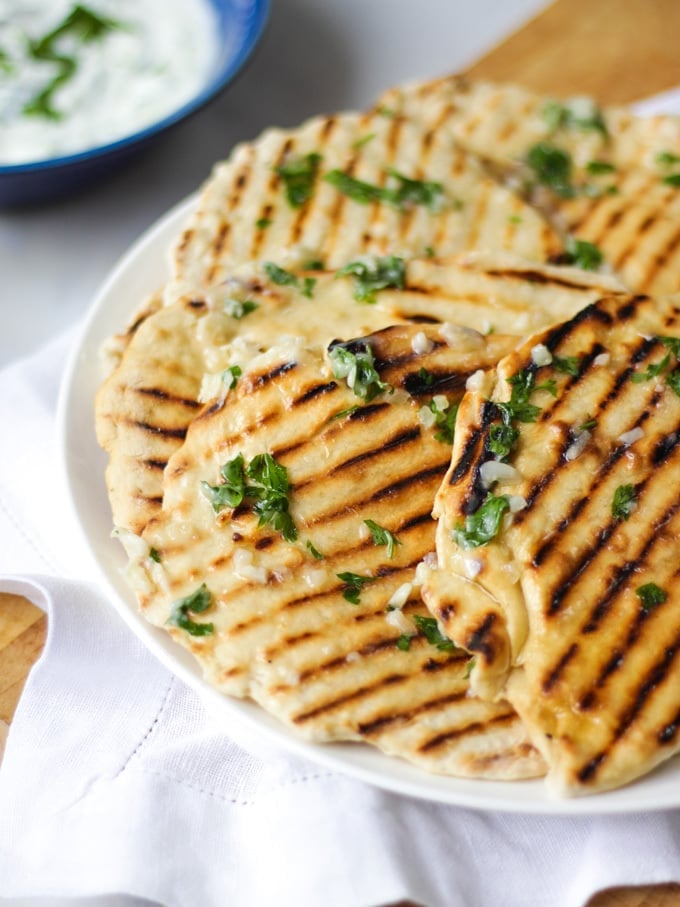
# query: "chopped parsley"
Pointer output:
{"type": "Point", "coordinates": [551, 167]}
{"type": "Point", "coordinates": [671, 343]}
{"type": "Point", "coordinates": [263, 222]}
{"type": "Point", "coordinates": [382, 536]}
{"type": "Point", "coordinates": [596, 168]}
{"type": "Point", "coordinates": [518, 407]}
{"type": "Point", "coordinates": [314, 551]}
{"type": "Point", "coordinates": [588, 425]}
{"type": "Point", "coordinates": [672, 179]}
{"type": "Point", "coordinates": [359, 370]}
{"type": "Point", "coordinates": [283, 278]}
{"type": "Point", "coordinates": [568, 365]}
{"type": "Point", "coordinates": [239, 308]}
{"type": "Point", "coordinates": [429, 252]}
{"type": "Point", "coordinates": [579, 113]}
{"type": "Point", "coordinates": [484, 524]}
{"type": "Point", "coordinates": [231, 375]}
{"type": "Point", "coordinates": [353, 584]}
{"type": "Point", "coordinates": [468, 667]}
{"type": "Point", "coordinates": [444, 420]}
{"type": "Point", "coordinates": [624, 502]}
{"type": "Point", "coordinates": [373, 273]}
{"type": "Point", "coordinates": [404, 642]}
{"type": "Point", "coordinates": [429, 627]}
{"type": "Point", "coordinates": [299, 175]}
{"type": "Point", "coordinates": [270, 491]}
{"type": "Point", "coordinates": [673, 380]}
{"type": "Point", "coordinates": [402, 191]}
{"type": "Point", "coordinates": [198, 602]}
{"type": "Point", "coordinates": [426, 377]}
{"type": "Point", "coordinates": [502, 439]}
{"type": "Point", "coordinates": [667, 158]}
{"type": "Point", "coordinates": [650, 595]}
{"type": "Point", "coordinates": [652, 371]}
{"type": "Point", "coordinates": [363, 141]}
{"type": "Point", "coordinates": [155, 555]}
{"type": "Point", "coordinates": [583, 254]}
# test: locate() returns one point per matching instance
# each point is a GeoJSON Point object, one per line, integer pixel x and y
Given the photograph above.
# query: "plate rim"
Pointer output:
{"type": "Point", "coordinates": [357, 760]}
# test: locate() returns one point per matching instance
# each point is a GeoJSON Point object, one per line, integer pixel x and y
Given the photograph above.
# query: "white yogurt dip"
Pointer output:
{"type": "Point", "coordinates": [150, 58]}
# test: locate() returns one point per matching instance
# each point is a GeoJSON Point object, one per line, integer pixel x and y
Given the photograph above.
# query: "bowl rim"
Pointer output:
{"type": "Point", "coordinates": [255, 13]}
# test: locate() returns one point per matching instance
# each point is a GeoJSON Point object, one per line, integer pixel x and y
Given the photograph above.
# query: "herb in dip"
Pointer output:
{"type": "Point", "coordinates": [75, 76]}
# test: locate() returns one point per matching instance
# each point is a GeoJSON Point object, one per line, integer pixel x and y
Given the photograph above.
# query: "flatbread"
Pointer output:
{"type": "Point", "coordinates": [283, 630]}
{"type": "Point", "coordinates": [626, 207]}
{"type": "Point", "coordinates": [571, 610]}
{"type": "Point", "coordinates": [146, 405]}
{"type": "Point", "coordinates": [244, 213]}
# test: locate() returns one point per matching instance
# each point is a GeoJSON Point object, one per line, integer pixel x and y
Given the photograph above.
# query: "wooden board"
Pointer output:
{"type": "Point", "coordinates": [616, 50]}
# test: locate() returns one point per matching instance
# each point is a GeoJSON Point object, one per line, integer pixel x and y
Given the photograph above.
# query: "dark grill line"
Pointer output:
{"type": "Point", "coordinates": [355, 695]}
{"type": "Point", "coordinates": [159, 430]}
{"type": "Point", "coordinates": [477, 727]}
{"type": "Point", "coordinates": [401, 439]}
{"type": "Point", "coordinates": [382, 722]}
{"type": "Point", "coordinates": [158, 393]}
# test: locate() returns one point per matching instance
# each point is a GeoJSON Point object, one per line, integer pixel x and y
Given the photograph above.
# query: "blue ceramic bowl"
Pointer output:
{"type": "Point", "coordinates": [241, 23]}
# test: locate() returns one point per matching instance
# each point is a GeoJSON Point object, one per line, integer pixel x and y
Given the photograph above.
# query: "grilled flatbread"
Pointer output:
{"type": "Point", "coordinates": [301, 621]}
{"type": "Point", "coordinates": [146, 405]}
{"type": "Point", "coordinates": [570, 604]}
{"type": "Point", "coordinates": [399, 189]}
{"type": "Point", "coordinates": [612, 188]}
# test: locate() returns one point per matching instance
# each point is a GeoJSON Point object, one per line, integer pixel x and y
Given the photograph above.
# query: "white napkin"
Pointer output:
{"type": "Point", "coordinates": [116, 779]}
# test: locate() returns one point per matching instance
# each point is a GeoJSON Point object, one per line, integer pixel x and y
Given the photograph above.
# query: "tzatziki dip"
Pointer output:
{"type": "Point", "coordinates": [75, 76]}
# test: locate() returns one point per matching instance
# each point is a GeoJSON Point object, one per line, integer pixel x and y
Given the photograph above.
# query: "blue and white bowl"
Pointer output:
{"type": "Point", "coordinates": [240, 27]}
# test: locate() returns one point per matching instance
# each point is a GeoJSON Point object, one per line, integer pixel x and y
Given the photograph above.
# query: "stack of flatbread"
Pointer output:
{"type": "Point", "coordinates": [390, 451]}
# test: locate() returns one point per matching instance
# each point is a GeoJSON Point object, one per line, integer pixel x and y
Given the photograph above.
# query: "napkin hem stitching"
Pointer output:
{"type": "Point", "coordinates": [27, 537]}
{"type": "Point", "coordinates": [150, 729]}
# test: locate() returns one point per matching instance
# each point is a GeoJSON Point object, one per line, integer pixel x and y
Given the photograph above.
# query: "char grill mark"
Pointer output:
{"type": "Point", "coordinates": [159, 429]}
{"type": "Point", "coordinates": [381, 722]}
{"type": "Point", "coordinates": [303, 213]}
{"type": "Point", "coordinates": [417, 385]}
{"type": "Point", "coordinates": [477, 727]}
{"type": "Point", "coordinates": [400, 439]}
{"type": "Point", "coordinates": [662, 259]}
{"type": "Point", "coordinates": [355, 695]}
{"type": "Point", "coordinates": [158, 393]}
{"type": "Point", "coordinates": [472, 451]}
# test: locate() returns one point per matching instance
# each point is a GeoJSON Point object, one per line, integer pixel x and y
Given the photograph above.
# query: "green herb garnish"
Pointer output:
{"type": "Point", "coordinates": [406, 193]}
{"type": "Point", "coordinates": [314, 551]}
{"type": "Point", "coordinates": [363, 141]}
{"type": "Point", "coordinates": [429, 627]}
{"type": "Point", "coordinates": [518, 407]}
{"type": "Point", "coordinates": [404, 642]}
{"type": "Point", "coordinates": [650, 595]}
{"type": "Point", "coordinates": [583, 254]}
{"type": "Point", "coordinates": [283, 278]}
{"type": "Point", "coordinates": [373, 273]}
{"type": "Point", "coordinates": [667, 158]}
{"type": "Point", "coordinates": [484, 524]}
{"type": "Point", "coordinates": [551, 167]}
{"type": "Point", "coordinates": [382, 536]}
{"type": "Point", "coordinates": [239, 308]}
{"type": "Point", "coordinates": [672, 180]}
{"type": "Point", "coordinates": [502, 439]}
{"type": "Point", "coordinates": [270, 491]}
{"type": "Point", "coordinates": [445, 421]}
{"type": "Point", "coordinates": [354, 583]}
{"type": "Point", "coordinates": [673, 380]}
{"type": "Point", "coordinates": [198, 602]}
{"type": "Point", "coordinates": [579, 113]}
{"type": "Point", "coordinates": [568, 365]}
{"type": "Point", "coordinates": [155, 555]}
{"type": "Point", "coordinates": [299, 175]}
{"type": "Point", "coordinates": [82, 23]}
{"type": "Point", "coordinates": [623, 503]}
{"type": "Point", "coordinates": [263, 222]}
{"type": "Point", "coordinates": [359, 370]}
{"type": "Point", "coordinates": [598, 167]}
{"type": "Point", "coordinates": [588, 425]}
{"type": "Point", "coordinates": [652, 371]}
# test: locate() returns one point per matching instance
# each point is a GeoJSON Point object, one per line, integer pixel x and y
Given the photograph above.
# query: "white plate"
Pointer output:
{"type": "Point", "coordinates": [140, 272]}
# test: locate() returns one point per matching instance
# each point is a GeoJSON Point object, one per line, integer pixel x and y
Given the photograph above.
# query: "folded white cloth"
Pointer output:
{"type": "Point", "coordinates": [116, 779]}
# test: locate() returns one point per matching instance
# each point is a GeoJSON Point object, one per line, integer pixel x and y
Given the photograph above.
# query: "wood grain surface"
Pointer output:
{"type": "Point", "coordinates": [616, 50]}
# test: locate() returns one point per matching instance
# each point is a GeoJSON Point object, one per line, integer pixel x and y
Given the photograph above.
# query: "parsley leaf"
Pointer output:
{"type": "Point", "coordinates": [579, 113]}
{"type": "Point", "coordinates": [672, 180]}
{"type": "Point", "coordinates": [314, 551]}
{"type": "Point", "coordinates": [239, 308]}
{"type": "Point", "coordinates": [551, 167]}
{"type": "Point", "coordinates": [667, 158]}
{"type": "Point", "coordinates": [568, 365]}
{"type": "Point", "coordinates": [671, 343]}
{"type": "Point", "coordinates": [652, 371]}
{"type": "Point", "coordinates": [155, 555]}
{"type": "Point", "coordinates": [299, 175]}
{"type": "Point", "coordinates": [518, 407]}
{"type": "Point", "coordinates": [650, 595]}
{"type": "Point", "coordinates": [231, 492]}
{"type": "Point", "coordinates": [406, 193]}
{"type": "Point", "coordinates": [263, 222]}
{"type": "Point", "coordinates": [272, 498]}
{"type": "Point", "coordinates": [429, 627]}
{"type": "Point", "coordinates": [445, 420]}
{"type": "Point", "coordinates": [484, 524]}
{"type": "Point", "coordinates": [673, 380]}
{"type": "Point", "coordinates": [283, 278]}
{"type": "Point", "coordinates": [198, 602]}
{"type": "Point", "coordinates": [359, 370]}
{"type": "Point", "coordinates": [373, 273]}
{"type": "Point", "coordinates": [404, 642]}
{"type": "Point", "coordinates": [583, 254]}
{"type": "Point", "coordinates": [623, 503]}
{"type": "Point", "coordinates": [382, 536]}
{"type": "Point", "coordinates": [598, 167]}
{"type": "Point", "coordinates": [357, 190]}
{"type": "Point", "coordinates": [502, 439]}
{"type": "Point", "coordinates": [354, 583]}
